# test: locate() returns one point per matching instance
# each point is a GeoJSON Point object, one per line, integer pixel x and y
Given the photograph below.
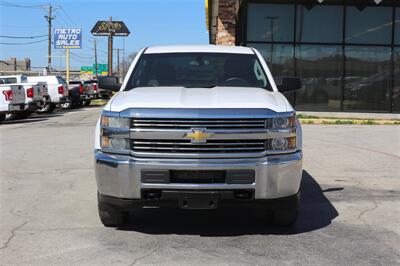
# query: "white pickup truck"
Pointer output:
{"type": "Point", "coordinates": [57, 90]}
{"type": "Point", "coordinates": [35, 94]}
{"type": "Point", "coordinates": [198, 127]}
{"type": "Point", "coordinates": [12, 99]}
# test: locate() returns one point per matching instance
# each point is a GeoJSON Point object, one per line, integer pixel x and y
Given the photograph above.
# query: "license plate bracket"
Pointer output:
{"type": "Point", "coordinates": [198, 200]}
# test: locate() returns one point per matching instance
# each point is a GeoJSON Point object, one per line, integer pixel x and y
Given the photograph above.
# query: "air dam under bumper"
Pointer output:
{"type": "Point", "coordinates": [276, 176]}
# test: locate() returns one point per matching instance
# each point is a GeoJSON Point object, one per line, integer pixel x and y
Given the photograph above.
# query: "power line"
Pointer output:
{"type": "Point", "coordinates": [67, 16]}
{"type": "Point", "coordinates": [22, 43]}
{"type": "Point", "coordinates": [8, 4]}
{"type": "Point", "coordinates": [22, 37]}
{"type": "Point", "coordinates": [20, 27]}
{"type": "Point", "coordinates": [80, 56]}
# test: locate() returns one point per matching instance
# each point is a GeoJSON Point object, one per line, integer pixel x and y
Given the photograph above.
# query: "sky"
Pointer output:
{"type": "Point", "coordinates": [151, 22]}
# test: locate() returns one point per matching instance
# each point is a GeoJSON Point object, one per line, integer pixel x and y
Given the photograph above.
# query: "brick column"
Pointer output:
{"type": "Point", "coordinates": [226, 23]}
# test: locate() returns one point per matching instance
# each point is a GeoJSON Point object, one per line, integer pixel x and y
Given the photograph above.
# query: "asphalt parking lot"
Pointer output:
{"type": "Point", "coordinates": [350, 212]}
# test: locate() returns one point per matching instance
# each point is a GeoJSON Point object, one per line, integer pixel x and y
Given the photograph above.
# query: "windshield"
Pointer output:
{"type": "Point", "coordinates": [8, 80]}
{"type": "Point", "coordinates": [60, 80]}
{"type": "Point", "coordinates": [199, 70]}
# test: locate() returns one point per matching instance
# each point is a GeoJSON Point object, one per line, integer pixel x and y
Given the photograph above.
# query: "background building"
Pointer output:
{"type": "Point", "coordinates": [13, 64]}
{"type": "Point", "coordinates": [347, 52]}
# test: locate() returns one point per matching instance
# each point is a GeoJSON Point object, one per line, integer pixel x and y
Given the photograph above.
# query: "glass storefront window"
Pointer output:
{"type": "Point", "coordinates": [367, 78]}
{"type": "Point", "coordinates": [279, 58]}
{"type": "Point", "coordinates": [396, 81]}
{"type": "Point", "coordinates": [397, 27]}
{"type": "Point", "coordinates": [271, 22]}
{"type": "Point", "coordinates": [369, 25]}
{"type": "Point", "coordinates": [321, 71]}
{"type": "Point", "coordinates": [322, 24]}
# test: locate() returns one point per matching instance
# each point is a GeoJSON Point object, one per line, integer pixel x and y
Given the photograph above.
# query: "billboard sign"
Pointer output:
{"type": "Point", "coordinates": [67, 38]}
{"type": "Point", "coordinates": [102, 70]}
{"type": "Point", "coordinates": [104, 28]}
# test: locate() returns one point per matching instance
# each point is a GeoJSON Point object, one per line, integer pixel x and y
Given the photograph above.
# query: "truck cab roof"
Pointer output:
{"type": "Point", "coordinates": [199, 49]}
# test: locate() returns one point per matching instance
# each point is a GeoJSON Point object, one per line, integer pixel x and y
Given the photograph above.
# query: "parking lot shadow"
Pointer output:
{"type": "Point", "coordinates": [316, 212]}
{"type": "Point", "coordinates": [24, 121]}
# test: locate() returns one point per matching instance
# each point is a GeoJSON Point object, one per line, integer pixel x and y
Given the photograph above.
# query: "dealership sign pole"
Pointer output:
{"type": "Point", "coordinates": [67, 38]}
{"type": "Point", "coordinates": [110, 28]}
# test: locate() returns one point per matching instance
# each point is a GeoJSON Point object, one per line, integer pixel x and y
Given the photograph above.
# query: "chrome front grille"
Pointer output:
{"type": "Point", "coordinates": [218, 138]}
{"type": "Point", "coordinates": [187, 147]}
{"type": "Point", "coordinates": [187, 124]}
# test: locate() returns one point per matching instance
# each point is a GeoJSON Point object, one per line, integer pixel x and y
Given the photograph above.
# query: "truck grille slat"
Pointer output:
{"type": "Point", "coordinates": [199, 123]}
{"type": "Point", "coordinates": [187, 148]}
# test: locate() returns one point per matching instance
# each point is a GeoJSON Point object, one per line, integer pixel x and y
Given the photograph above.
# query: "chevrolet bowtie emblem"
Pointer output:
{"type": "Point", "coordinates": [198, 135]}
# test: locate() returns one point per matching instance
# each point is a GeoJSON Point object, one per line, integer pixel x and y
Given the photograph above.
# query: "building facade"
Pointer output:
{"type": "Point", "coordinates": [13, 64]}
{"type": "Point", "coordinates": [347, 52]}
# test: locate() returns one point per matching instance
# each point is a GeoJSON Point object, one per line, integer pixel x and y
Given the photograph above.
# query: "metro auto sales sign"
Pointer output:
{"type": "Point", "coordinates": [67, 38]}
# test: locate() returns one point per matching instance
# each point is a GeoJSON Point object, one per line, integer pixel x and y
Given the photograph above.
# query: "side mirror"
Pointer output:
{"type": "Point", "coordinates": [109, 83]}
{"type": "Point", "coordinates": [286, 84]}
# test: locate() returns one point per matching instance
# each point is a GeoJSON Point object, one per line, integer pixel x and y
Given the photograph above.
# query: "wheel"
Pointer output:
{"type": "Point", "coordinates": [110, 216]}
{"type": "Point", "coordinates": [86, 102]}
{"type": "Point", "coordinates": [10, 116]}
{"type": "Point", "coordinates": [2, 117]}
{"type": "Point", "coordinates": [47, 108]}
{"type": "Point", "coordinates": [105, 96]}
{"type": "Point", "coordinates": [66, 105]}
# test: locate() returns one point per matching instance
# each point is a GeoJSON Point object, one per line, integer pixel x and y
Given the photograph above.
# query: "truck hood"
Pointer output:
{"type": "Point", "coordinates": [180, 97]}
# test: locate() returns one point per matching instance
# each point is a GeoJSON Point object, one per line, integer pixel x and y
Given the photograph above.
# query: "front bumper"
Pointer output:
{"type": "Point", "coordinates": [276, 176]}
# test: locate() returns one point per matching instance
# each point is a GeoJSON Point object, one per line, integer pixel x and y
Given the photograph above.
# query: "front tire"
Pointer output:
{"type": "Point", "coordinates": [111, 216]}
{"type": "Point", "coordinates": [10, 116]}
{"type": "Point", "coordinates": [86, 102]}
{"type": "Point", "coordinates": [66, 105]}
{"type": "Point", "coordinates": [47, 108]}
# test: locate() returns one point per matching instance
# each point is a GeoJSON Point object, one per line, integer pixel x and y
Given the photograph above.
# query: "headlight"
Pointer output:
{"type": "Point", "coordinates": [115, 143]}
{"type": "Point", "coordinates": [284, 122]}
{"type": "Point", "coordinates": [281, 144]}
{"type": "Point", "coordinates": [110, 121]}
{"type": "Point", "coordinates": [114, 133]}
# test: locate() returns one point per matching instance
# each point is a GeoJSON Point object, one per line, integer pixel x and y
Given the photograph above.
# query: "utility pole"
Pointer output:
{"type": "Point", "coordinates": [67, 64]}
{"type": "Point", "coordinates": [49, 18]}
{"type": "Point", "coordinates": [119, 69]}
{"type": "Point", "coordinates": [95, 60]}
{"type": "Point", "coordinates": [120, 75]}
{"type": "Point", "coordinates": [110, 48]}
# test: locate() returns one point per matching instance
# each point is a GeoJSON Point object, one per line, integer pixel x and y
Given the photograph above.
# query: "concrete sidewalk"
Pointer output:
{"type": "Point", "coordinates": [351, 115]}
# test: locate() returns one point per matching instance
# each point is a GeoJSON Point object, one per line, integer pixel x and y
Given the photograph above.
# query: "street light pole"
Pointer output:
{"type": "Point", "coordinates": [95, 60]}
{"type": "Point", "coordinates": [110, 48]}
{"type": "Point", "coordinates": [49, 18]}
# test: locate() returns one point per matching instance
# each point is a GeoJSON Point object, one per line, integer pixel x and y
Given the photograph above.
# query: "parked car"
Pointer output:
{"type": "Point", "coordinates": [57, 90]}
{"type": "Point", "coordinates": [91, 91]}
{"type": "Point", "coordinates": [102, 93]}
{"type": "Point", "coordinates": [76, 92]}
{"type": "Point", "coordinates": [12, 99]}
{"type": "Point", "coordinates": [35, 94]}
{"type": "Point", "coordinates": [198, 127]}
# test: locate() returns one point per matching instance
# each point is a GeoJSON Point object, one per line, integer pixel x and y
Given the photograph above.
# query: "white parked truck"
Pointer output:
{"type": "Point", "coordinates": [35, 93]}
{"type": "Point", "coordinates": [198, 127]}
{"type": "Point", "coordinates": [57, 90]}
{"type": "Point", "coordinates": [12, 99]}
